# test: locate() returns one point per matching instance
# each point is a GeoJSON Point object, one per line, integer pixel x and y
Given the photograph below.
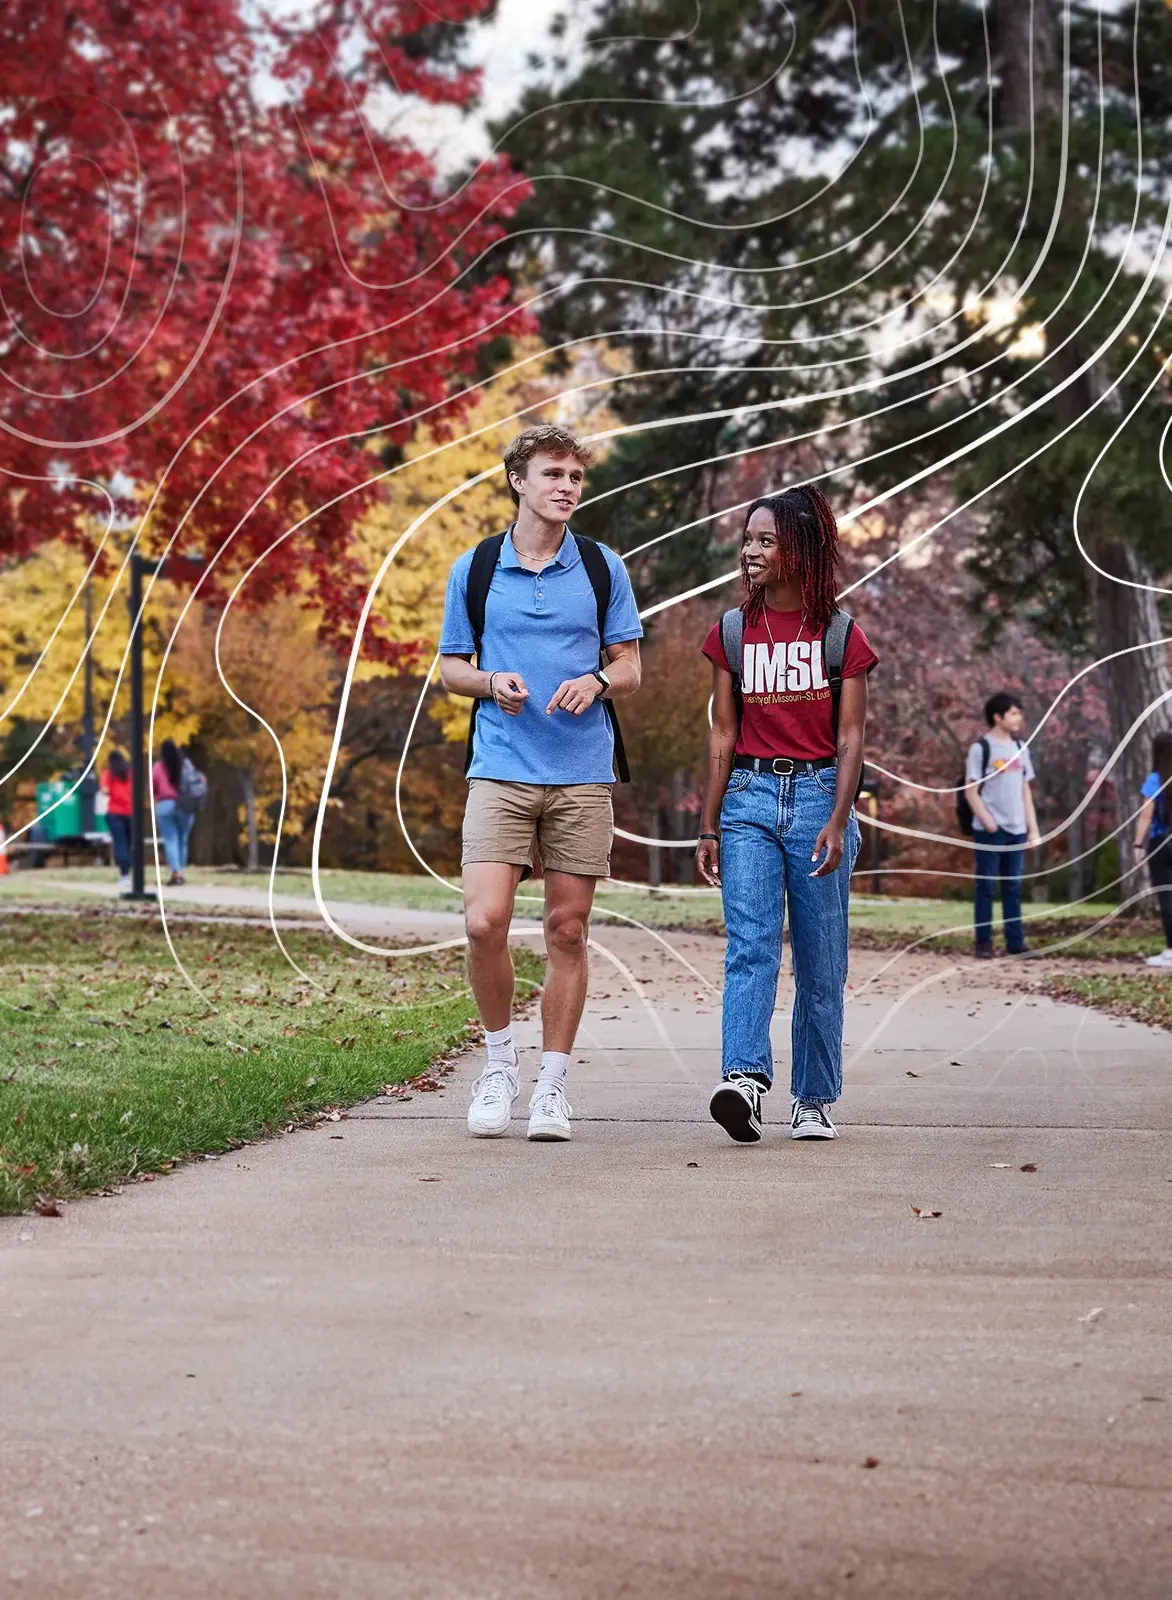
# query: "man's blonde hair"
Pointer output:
{"type": "Point", "coordinates": [547, 439]}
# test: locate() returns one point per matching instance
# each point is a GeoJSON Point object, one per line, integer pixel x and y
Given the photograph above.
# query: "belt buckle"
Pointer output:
{"type": "Point", "coordinates": [783, 766]}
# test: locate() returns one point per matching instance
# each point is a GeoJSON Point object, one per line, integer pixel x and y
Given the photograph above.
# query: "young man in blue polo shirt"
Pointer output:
{"type": "Point", "coordinates": [542, 760]}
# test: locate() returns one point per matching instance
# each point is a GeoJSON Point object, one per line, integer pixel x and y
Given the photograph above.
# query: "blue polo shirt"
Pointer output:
{"type": "Point", "coordinates": [543, 625]}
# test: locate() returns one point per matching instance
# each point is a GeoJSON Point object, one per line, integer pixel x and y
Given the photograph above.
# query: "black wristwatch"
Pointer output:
{"type": "Point", "coordinates": [603, 680]}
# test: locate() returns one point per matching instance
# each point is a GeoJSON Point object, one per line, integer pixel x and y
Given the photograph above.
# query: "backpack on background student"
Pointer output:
{"type": "Point", "coordinates": [964, 812]}
{"type": "Point", "coordinates": [193, 788]}
{"type": "Point", "coordinates": [835, 638]}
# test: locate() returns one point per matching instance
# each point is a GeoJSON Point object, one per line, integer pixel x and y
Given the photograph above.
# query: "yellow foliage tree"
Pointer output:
{"type": "Point", "coordinates": [275, 662]}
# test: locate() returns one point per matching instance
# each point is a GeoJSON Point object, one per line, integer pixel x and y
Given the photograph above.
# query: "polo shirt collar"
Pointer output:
{"type": "Point", "coordinates": [568, 553]}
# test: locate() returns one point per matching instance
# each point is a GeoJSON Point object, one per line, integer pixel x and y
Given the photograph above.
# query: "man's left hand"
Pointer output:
{"type": "Point", "coordinates": [575, 695]}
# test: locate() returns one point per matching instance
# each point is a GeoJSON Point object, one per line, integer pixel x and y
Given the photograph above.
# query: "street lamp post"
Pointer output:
{"type": "Point", "coordinates": [89, 784]}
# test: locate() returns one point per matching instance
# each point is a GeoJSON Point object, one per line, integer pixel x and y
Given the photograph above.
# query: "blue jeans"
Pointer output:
{"type": "Point", "coordinates": [768, 826]}
{"type": "Point", "coordinates": [119, 827]}
{"type": "Point", "coordinates": [175, 827]}
{"type": "Point", "coordinates": [1009, 866]}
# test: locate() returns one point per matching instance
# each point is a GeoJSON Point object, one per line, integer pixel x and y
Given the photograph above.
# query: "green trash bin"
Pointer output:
{"type": "Point", "coordinates": [64, 822]}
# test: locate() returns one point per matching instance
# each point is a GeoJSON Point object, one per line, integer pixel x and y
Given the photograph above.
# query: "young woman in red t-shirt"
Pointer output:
{"type": "Point", "coordinates": [778, 825]}
{"type": "Point", "coordinates": [115, 782]}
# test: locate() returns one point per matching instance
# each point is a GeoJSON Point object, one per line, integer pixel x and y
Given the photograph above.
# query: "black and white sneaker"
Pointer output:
{"type": "Point", "coordinates": [736, 1105]}
{"type": "Point", "coordinates": [808, 1120]}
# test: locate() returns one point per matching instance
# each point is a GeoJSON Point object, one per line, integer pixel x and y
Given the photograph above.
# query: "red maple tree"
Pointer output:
{"type": "Point", "coordinates": [226, 271]}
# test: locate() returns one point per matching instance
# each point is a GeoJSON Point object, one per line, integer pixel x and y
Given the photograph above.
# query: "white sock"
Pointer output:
{"type": "Point", "coordinates": [500, 1045]}
{"type": "Point", "coordinates": [554, 1066]}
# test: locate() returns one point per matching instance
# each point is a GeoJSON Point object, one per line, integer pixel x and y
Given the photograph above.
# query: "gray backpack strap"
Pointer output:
{"type": "Point", "coordinates": [732, 642]}
{"type": "Point", "coordinates": [834, 642]}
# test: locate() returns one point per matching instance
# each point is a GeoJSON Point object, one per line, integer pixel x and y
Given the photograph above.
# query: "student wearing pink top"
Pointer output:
{"type": "Point", "coordinates": [174, 823]}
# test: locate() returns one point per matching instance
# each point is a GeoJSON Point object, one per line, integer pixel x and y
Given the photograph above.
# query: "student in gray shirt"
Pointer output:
{"type": "Point", "coordinates": [999, 789]}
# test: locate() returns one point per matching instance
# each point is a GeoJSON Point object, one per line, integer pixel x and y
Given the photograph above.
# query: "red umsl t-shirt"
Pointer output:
{"type": "Point", "coordinates": [787, 705]}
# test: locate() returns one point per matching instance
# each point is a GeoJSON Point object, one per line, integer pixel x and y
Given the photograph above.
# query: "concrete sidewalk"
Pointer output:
{"type": "Point", "coordinates": [291, 910]}
{"type": "Point", "coordinates": [381, 1359]}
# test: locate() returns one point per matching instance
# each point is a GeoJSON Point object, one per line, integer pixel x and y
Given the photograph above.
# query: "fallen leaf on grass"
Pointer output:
{"type": "Point", "coordinates": [923, 1216]}
{"type": "Point", "coordinates": [26, 1171]}
{"type": "Point", "coordinates": [346, 1043]}
{"type": "Point", "coordinates": [46, 1206]}
{"type": "Point", "coordinates": [146, 1177]}
{"type": "Point", "coordinates": [290, 1032]}
{"type": "Point", "coordinates": [237, 1049]}
{"type": "Point", "coordinates": [9, 1077]}
{"type": "Point", "coordinates": [311, 1082]}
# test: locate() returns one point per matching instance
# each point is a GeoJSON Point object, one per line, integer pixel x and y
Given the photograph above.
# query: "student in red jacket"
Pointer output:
{"type": "Point", "coordinates": [115, 782]}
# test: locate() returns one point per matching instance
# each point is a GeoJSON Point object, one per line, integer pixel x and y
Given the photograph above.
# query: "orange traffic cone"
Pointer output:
{"type": "Point", "coordinates": [3, 852]}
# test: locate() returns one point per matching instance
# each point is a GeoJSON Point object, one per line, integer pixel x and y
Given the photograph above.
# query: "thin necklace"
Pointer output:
{"type": "Point", "coordinates": [769, 630]}
{"type": "Point", "coordinates": [525, 555]}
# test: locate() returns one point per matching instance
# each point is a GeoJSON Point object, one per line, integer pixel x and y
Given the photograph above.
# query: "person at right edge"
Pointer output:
{"type": "Point", "coordinates": [777, 827]}
{"type": "Point", "coordinates": [1153, 837]}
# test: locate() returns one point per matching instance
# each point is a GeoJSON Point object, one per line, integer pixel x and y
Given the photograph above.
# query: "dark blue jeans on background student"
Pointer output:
{"type": "Point", "coordinates": [1008, 865]}
{"type": "Point", "coordinates": [119, 827]}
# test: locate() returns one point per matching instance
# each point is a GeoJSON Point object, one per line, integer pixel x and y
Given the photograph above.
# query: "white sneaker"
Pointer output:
{"type": "Point", "coordinates": [493, 1094]}
{"type": "Point", "coordinates": [809, 1120]}
{"type": "Point", "coordinates": [1163, 960]}
{"type": "Point", "coordinates": [549, 1115]}
{"type": "Point", "coordinates": [124, 884]}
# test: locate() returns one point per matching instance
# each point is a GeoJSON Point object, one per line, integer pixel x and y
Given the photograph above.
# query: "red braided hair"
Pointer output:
{"type": "Point", "coordinates": [808, 535]}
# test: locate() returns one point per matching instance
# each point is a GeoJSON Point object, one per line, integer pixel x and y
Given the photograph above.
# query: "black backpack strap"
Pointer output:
{"type": "Point", "coordinates": [732, 642]}
{"type": "Point", "coordinates": [598, 571]}
{"type": "Point", "coordinates": [484, 560]}
{"type": "Point", "coordinates": [834, 645]}
{"type": "Point", "coordinates": [985, 753]}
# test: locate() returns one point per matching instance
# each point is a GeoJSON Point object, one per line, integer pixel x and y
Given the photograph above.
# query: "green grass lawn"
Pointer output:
{"type": "Point", "coordinates": [1147, 997]}
{"type": "Point", "coordinates": [876, 922]}
{"type": "Point", "coordinates": [112, 1066]}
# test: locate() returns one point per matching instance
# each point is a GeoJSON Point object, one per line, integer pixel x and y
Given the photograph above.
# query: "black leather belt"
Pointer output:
{"type": "Point", "coordinates": [782, 766]}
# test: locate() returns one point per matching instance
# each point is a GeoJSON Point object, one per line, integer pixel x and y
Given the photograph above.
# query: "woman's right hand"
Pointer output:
{"type": "Point", "coordinates": [708, 861]}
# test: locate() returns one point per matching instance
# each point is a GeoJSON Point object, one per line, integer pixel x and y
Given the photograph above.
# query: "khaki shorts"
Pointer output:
{"type": "Point", "coordinates": [572, 825]}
